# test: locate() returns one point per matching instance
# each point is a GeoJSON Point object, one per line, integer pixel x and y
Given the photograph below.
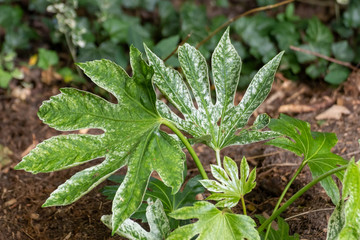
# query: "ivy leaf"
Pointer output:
{"type": "Point", "coordinates": [315, 147]}
{"type": "Point", "coordinates": [158, 222]}
{"type": "Point", "coordinates": [131, 137]}
{"type": "Point", "coordinates": [281, 233]}
{"type": "Point", "coordinates": [158, 190]}
{"type": "Point", "coordinates": [226, 65]}
{"type": "Point", "coordinates": [228, 189]}
{"type": "Point", "coordinates": [213, 224]}
{"type": "Point", "coordinates": [344, 223]}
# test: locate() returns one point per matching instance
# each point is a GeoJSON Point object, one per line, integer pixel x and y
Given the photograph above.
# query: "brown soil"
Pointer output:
{"type": "Point", "coordinates": [21, 193]}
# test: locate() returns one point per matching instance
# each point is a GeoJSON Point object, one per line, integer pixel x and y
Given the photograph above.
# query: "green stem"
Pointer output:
{"type": "Point", "coordinates": [218, 159]}
{"type": "Point", "coordinates": [188, 146]}
{"type": "Point", "coordinates": [243, 205]}
{"type": "Point", "coordinates": [284, 192]}
{"type": "Point", "coordinates": [298, 194]}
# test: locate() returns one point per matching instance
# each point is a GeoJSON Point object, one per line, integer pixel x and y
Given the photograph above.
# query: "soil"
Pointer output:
{"type": "Point", "coordinates": [22, 193]}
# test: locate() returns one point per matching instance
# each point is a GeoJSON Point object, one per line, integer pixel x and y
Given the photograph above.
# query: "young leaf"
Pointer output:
{"type": "Point", "coordinates": [226, 66]}
{"type": "Point", "coordinates": [282, 232]}
{"type": "Point", "coordinates": [158, 222]}
{"type": "Point", "coordinates": [228, 189]}
{"type": "Point", "coordinates": [158, 190]}
{"type": "Point", "coordinates": [314, 146]}
{"type": "Point", "coordinates": [213, 224]}
{"type": "Point", "coordinates": [345, 221]}
{"type": "Point", "coordinates": [131, 137]}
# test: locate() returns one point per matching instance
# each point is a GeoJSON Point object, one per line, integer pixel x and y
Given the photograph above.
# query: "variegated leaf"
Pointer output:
{"type": "Point", "coordinates": [156, 217]}
{"type": "Point", "coordinates": [229, 189]}
{"type": "Point", "coordinates": [131, 137]}
{"type": "Point", "coordinates": [213, 224]}
{"type": "Point", "coordinates": [221, 120]}
{"type": "Point", "coordinates": [344, 223]}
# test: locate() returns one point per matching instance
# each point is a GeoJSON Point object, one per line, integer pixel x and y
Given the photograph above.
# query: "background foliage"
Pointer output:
{"type": "Point", "coordinates": [105, 29]}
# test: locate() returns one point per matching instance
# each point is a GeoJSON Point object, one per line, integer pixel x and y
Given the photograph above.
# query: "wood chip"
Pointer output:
{"type": "Point", "coordinates": [296, 108]}
{"type": "Point", "coordinates": [10, 202]}
{"type": "Point", "coordinates": [334, 112]}
{"type": "Point", "coordinates": [34, 216]}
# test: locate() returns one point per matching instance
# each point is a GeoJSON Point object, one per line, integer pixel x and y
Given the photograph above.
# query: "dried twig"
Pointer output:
{"type": "Point", "coordinates": [307, 212]}
{"type": "Point", "coordinates": [346, 64]}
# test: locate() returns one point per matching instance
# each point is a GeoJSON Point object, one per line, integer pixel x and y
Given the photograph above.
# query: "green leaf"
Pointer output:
{"type": "Point", "coordinates": [158, 222]}
{"type": "Point", "coordinates": [47, 58]}
{"type": "Point", "coordinates": [315, 147]}
{"type": "Point", "coordinates": [337, 74]}
{"type": "Point", "coordinates": [226, 66]}
{"type": "Point", "coordinates": [131, 137]}
{"type": "Point", "coordinates": [213, 224]}
{"type": "Point", "coordinates": [229, 189]}
{"type": "Point", "coordinates": [351, 17]}
{"type": "Point", "coordinates": [5, 78]}
{"type": "Point", "coordinates": [158, 190]}
{"type": "Point", "coordinates": [344, 223]}
{"type": "Point", "coordinates": [317, 32]}
{"type": "Point", "coordinates": [342, 51]}
{"type": "Point", "coordinates": [10, 16]}
{"type": "Point", "coordinates": [281, 233]}
{"type": "Point", "coordinates": [106, 50]}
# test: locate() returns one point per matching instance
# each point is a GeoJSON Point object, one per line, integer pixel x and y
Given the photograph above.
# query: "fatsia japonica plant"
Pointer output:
{"type": "Point", "coordinates": [132, 137]}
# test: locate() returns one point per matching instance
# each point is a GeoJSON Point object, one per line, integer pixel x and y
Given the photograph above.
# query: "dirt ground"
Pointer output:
{"type": "Point", "coordinates": [22, 194]}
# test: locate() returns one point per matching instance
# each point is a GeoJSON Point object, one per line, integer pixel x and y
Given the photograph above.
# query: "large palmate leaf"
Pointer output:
{"type": "Point", "coordinates": [315, 147]}
{"type": "Point", "coordinates": [213, 224]}
{"type": "Point", "coordinates": [229, 188]}
{"type": "Point", "coordinates": [344, 223]}
{"type": "Point", "coordinates": [281, 233]}
{"type": "Point", "coordinates": [158, 190]}
{"type": "Point", "coordinates": [131, 137]}
{"type": "Point", "coordinates": [158, 222]}
{"type": "Point", "coordinates": [221, 120]}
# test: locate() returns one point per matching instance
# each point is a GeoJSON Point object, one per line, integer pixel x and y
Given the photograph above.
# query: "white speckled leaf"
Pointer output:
{"type": "Point", "coordinates": [228, 189]}
{"type": "Point", "coordinates": [204, 120]}
{"type": "Point", "coordinates": [213, 224]}
{"type": "Point", "coordinates": [156, 217]}
{"type": "Point", "coordinates": [131, 137]}
{"type": "Point", "coordinates": [344, 223]}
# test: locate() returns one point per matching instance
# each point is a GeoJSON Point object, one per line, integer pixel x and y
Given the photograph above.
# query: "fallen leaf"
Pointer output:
{"type": "Point", "coordinates": [295, 108]}
{"type": "Point", "coordinates": [334, 112]}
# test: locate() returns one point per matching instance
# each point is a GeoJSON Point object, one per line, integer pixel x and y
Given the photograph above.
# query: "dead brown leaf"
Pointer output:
{"type": "Point", "coordinates": [296, 108]}
{"type": "Point", "coordinates": [334, 112]}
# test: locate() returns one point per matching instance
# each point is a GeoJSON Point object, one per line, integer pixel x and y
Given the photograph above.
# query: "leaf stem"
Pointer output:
{"type": "Point", "coordinates": [188, 146]}
{"type": "Point", "coordinates": [243, 205]}
{"type": "Point", "coordinates": [218, 159]}
{"type": "Point", "coordinates": [302, 165]}
{"type": "Point", "coordinates": [298, 194]}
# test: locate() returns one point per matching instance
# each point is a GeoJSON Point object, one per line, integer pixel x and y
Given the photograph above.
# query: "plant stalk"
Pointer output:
{"type": "Point", "coordinates": [218, 159]}
{"type": "Point", "coordinates": [298, 194]}
{"type": "Point", "coordinates": [303, 164]}
{"type": "Point", "coordinates": [243, 205]}
{"type": "Point", "coordinates": [188, 147]}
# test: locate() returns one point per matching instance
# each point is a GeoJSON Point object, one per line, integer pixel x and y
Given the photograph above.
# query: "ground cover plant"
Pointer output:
{"type": "Point", "coordinates": [88, 29]}
{"type": "Point", "coordinates": [132, 137]}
